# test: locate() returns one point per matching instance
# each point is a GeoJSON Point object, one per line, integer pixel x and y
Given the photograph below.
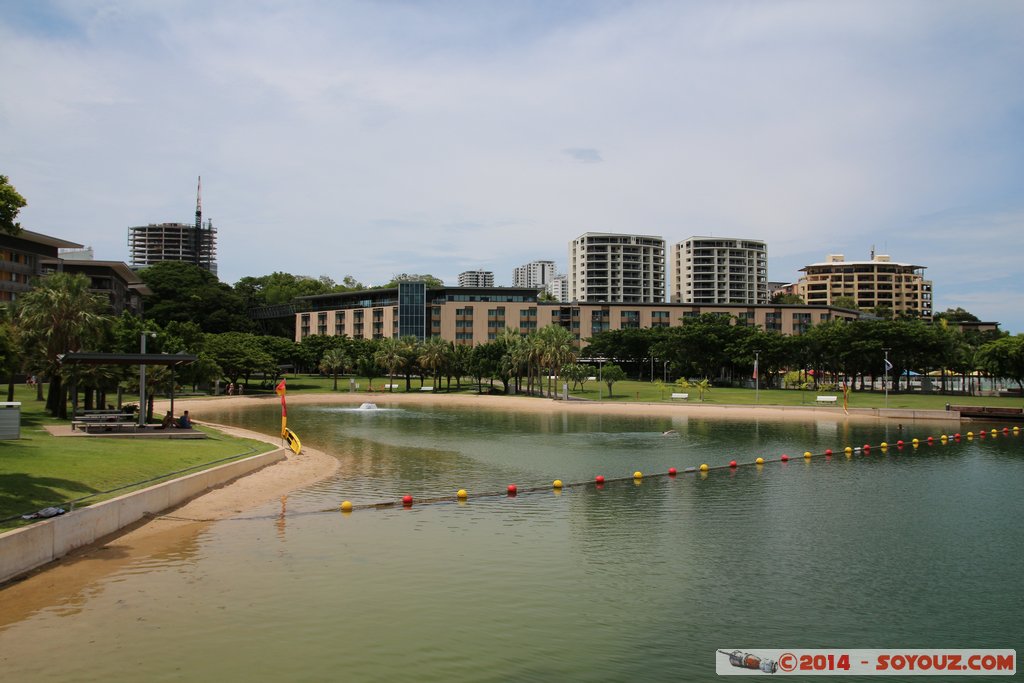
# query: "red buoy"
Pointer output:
{"type": "Point", "coordinates": [828, 451]}
{"type": "Point", "coordinates": [931, 439]}
{"type": "Point", "coordinates": [867, 447]}
{"type": "Point", "coordinates": [784, 458]}
{"type": "Point", "coordinates": [1006, 430]}
{"type": "Point", "coordinates": [732, 463]}
{"type": "Point", "coordinates": [900, 443]}
{"type": "Point", "coordinates": [406, 500]}
{"type": "Point", "coordinates": [512, 489]}
{"type": "Point", "coordinates": [599, 479]}
{"type": "Point", "coordinates": [957, 435]}
{"type": "Point", "coordinates": [671, 471]}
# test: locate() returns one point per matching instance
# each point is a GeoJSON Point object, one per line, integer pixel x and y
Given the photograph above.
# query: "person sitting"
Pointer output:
{"type": "Point", "coordinates": [185, 422]}
{"type": "Point", "coordinates": [168, 421]}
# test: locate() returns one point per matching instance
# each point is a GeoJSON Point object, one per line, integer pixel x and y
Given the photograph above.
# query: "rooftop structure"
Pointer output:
{"type": "Point", "coordinates": [476, 278]}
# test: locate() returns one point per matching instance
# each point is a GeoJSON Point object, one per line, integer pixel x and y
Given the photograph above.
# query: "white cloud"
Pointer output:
{"type": "Point", "coordinates": [379, 138]}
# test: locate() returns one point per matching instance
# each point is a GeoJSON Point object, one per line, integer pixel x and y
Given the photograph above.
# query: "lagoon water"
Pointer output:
{"type": "Point", "coordinates": [910, 548]}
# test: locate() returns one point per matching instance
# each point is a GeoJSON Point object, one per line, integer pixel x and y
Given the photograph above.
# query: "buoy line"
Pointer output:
{"type": "Point", "coordinates": [599, 481]}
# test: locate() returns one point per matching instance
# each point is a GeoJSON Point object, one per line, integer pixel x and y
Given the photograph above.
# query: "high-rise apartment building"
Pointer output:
{"type": "Point", "coordinates": [617, 268]}
{"type": "Point", "coordinates": [534, 274]}
{"type": "Point", "coordinates": [878, 283]}
{"type": "Point", "coordinates": [476, 278]}
{"type": "Point", "coordinates": [718, 270]}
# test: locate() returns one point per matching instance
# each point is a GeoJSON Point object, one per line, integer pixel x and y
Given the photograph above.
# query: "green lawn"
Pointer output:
{"type": "Point", "coordinates": [647, 392]}
{"type": "Point", "coordinates": [41, 470]}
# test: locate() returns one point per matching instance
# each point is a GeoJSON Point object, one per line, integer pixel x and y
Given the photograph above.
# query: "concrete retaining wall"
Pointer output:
{"type": "Point", "coordinates": [24, 549]}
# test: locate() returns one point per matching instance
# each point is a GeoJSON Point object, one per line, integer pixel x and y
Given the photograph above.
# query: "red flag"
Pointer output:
{"type": "Point", "coordinates": [755, 370]}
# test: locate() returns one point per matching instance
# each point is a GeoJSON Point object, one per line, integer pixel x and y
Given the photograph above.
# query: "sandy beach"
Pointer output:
{"type": "Point", "coordinates": [74, 573]}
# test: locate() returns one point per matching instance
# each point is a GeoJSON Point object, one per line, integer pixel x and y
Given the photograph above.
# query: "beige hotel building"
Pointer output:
{"type": "Point", "coordinates": [477, 315]}
{"type": "Point", "coordinates": [878, 282]}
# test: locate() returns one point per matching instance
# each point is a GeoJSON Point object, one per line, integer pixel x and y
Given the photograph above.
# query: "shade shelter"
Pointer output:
{"type": "Point", "coordinates": [173, 360]}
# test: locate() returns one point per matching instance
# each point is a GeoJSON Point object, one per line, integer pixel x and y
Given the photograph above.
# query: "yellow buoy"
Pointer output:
{"type": "Point", "coordinates": [1016, 429]}
{"type": "Point", "coordinates": [994, 432]}
{"type": "Point", "coordinates": [638, 475]}
{"type": "Point", "coordinates": [915, 442]}
{"type": "Point", "coordinates": [557, 483]}
{"type": "Point", "coordinates": [759, 461]}
{"type": "Point", "coordinates": [848, 450]}
{"type": "Point", "coordinates": [461, 494]}
{"type": "Point", "coordinates": [970, 435]}
{"type": "Point", "coordinates": [704, 467]}
{"type": "Point", "coordinates": [884, 445]}
{"type": "Point", "coordinates": [807, 454]}
{"type": "Point", "coordinates": [346, 506]}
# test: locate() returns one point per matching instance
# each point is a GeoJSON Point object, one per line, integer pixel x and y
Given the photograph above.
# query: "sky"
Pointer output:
{"type": "Point", "coordinates": [375, 138]}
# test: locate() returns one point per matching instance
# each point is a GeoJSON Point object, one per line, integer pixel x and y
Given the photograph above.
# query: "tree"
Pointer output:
{"type": "Point", "coordinates": [333, 362]}
{"type": "Point", "coordinates": [10, 204]}
{"type": "Point", "coordinates": [845, 302]}
{"type": "Point", "coordinates": [58, 316]}
{"type": "Point", "coordinates": [433, 357]}
{"type": "Point", "coordinates": [611, 374]}
{"type": "Point", "coordinates": [238, 354]}
{"type": "Point", "coordinates": [957, 315]}
{"type": "Point", "coordinates": [787, 299]}
{"type": "Point", "coordinates": [185, 292]}
{"type": "Point", "coordinates": [430, 280]}
{"type": "Point", "coordinates": [1005, 358]}
{"type": "Point", "coordinates": [389, 357]}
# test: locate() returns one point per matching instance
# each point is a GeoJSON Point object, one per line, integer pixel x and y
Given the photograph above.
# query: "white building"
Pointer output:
{"type": "Point", "coordinates": [617, 268]}
{"type": "Point", "coordinates": [559, 288]}
{"type": "Point", "coordinates": [534, 274]}
{"type": "Point", "coordinates": [476, 278]}
{"type": "Point", "coordinates": [718, 270]}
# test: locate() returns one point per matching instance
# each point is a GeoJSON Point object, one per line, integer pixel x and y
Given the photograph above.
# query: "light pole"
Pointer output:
{"type": "Point", "coordinates": [757, 377]}
{"type": "Point", "coordinates": [666, 371]}
{"type": "Point", "coordinates": [652, 368]}
{"type": "Point", "coordinates": [142, 377]}
{"type": "Point", "coordinates": [885, 379]}
{"type": "Point", "coordinates": [600, 377]}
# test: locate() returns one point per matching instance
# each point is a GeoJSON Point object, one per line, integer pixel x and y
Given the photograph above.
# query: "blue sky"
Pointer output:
{"type": "Point", "coordinates": [374, 138]}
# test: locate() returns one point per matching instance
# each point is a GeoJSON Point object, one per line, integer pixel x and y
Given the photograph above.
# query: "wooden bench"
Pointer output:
{"type": "Point", "coordinates": [681, 396]}
{"type": "Point", "coordinates": [828, 400]}
{"type": "Point", "coordinates": [83, 421]}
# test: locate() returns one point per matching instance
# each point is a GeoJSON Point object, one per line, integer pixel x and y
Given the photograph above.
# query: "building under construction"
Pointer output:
{"type": "Point", "coordinates": [196, 243]}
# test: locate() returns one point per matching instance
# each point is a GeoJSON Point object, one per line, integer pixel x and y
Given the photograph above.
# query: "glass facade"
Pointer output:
{"type": "Point", "coordinates": [412, 311]}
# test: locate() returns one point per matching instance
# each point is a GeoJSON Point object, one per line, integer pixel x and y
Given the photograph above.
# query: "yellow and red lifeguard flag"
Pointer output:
{"type": "Point", "coordinates": [284, 409]}
{"type": "Point", "coordinates": [846, 398]}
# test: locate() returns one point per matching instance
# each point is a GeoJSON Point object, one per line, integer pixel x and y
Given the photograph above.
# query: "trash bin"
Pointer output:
{"type": "Point", "coordinates": [10, 420]}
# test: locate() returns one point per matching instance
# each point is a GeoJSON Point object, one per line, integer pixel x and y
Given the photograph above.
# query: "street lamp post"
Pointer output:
{"type": "Point", "coordinates": [600, 377]}
{"type": "Point", "coordinates": [666, 371]}
{"type": "Point", "coordinates": [757, 376]}
{"type": "Point", "coordinates": [885, 379]}
{"type": "Point", "coordinates": [142, 378]}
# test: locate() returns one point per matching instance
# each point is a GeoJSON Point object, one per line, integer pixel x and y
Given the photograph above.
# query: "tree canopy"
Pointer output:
{"type": "Point", "coordinates": [11, 202]}
{"type": "Point", "coordinates": [184, 292]}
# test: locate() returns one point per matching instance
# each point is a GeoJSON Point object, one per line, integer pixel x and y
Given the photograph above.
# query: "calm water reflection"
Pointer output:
{"type": "Point", "coordinates": [630, 582]}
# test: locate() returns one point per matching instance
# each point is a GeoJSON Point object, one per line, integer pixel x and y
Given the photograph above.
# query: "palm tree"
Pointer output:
{"type": "Point", "coordinates": [333, 361]}
{"type": "Point", "coordinates": [58, 316]}
{"type": "Point", "coordinates": [559, 349]}
{"type": "Point", "coordinates": [434, 354]}
{"type": "Point", "coordinates": [389, 357]}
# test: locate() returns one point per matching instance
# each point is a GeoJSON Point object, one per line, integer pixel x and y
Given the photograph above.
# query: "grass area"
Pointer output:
{"type": "Point", "coordinates": [647, 392]}
{"type": "Point", "coordinates": [41, 470]}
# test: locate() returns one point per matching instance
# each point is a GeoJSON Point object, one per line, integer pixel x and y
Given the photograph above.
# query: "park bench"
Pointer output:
{"type": "Point", "coordinates": [391, 386]}
{"type": "Point", "coordinates": [426, 388]}
{"type": "Point", "coordinates": [681, 396]}
{"type": "Point", "coordinates": [827, 400]}
{"type": "Point", "coordinates": [98, 423]}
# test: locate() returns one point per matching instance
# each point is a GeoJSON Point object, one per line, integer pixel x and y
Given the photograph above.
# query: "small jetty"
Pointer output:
{"type": "Point", "coordinates": [988, 412]}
